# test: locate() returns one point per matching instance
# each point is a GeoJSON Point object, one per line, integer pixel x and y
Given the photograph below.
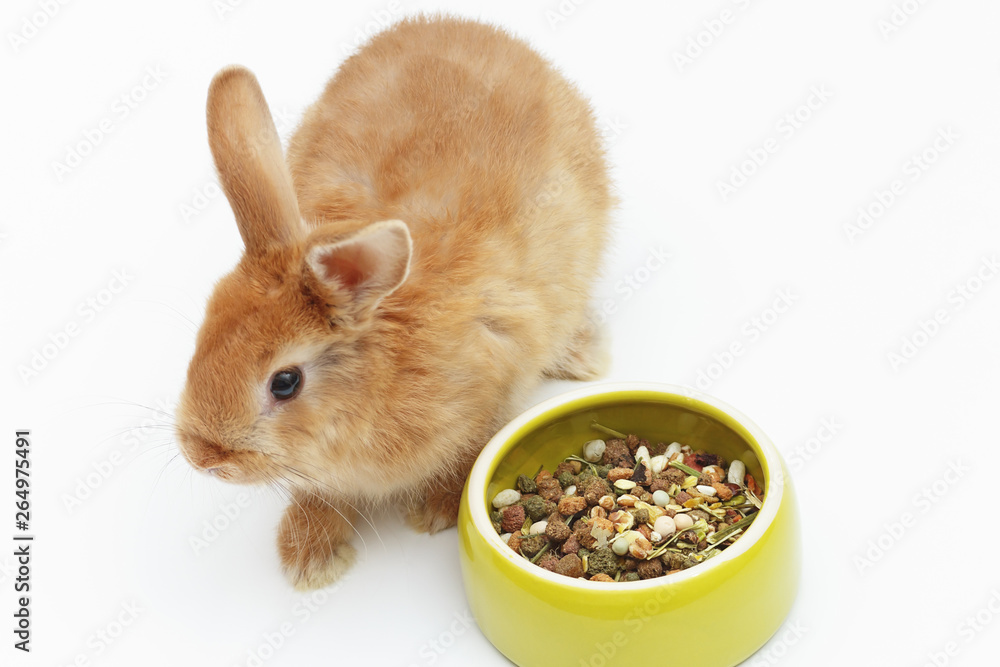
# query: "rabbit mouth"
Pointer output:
{"type": "Point", "coordinates": [220, 472]}
{"type": "Point", "coordinates": [226, 472]}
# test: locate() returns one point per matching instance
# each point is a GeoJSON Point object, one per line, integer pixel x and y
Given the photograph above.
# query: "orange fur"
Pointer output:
{"type": "Point", "coordinates": [493, 162]}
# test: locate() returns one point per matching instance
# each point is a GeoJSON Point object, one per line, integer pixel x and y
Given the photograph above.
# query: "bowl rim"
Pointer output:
{"type": "Point", "coordinates": [488, 460]}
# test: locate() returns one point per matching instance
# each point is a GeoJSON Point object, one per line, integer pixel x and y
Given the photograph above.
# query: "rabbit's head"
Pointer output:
{"type": "Point", "coordinates": [286, 359]}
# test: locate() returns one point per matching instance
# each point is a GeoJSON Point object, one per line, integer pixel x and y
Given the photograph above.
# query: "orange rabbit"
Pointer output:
{"type": "Point", "coordinates": [422, 260]}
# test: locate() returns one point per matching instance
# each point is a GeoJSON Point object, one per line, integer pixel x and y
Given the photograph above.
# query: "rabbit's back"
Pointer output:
{"type": "Point", "coordinates": [456, 128]}
{"type": "Point", "coordinates": [493, 160]}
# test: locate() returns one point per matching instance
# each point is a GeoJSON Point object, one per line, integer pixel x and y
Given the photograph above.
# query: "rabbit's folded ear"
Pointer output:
{"type": "Point", "coordinates": [248, 157]}
{"type": "Point", "coordinates": [363, 267]}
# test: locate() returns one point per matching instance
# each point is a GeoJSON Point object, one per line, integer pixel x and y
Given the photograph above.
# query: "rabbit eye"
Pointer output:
{"type": "Point", "coordinates": [285, 384]}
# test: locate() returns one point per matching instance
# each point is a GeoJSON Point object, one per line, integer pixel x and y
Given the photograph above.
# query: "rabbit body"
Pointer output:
{"type": "Point", "coordinates": [452, 209]}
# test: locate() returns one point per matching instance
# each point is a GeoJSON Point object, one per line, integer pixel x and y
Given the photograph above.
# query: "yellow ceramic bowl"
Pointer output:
{"type": "Point", "coordinates": [715, 614]}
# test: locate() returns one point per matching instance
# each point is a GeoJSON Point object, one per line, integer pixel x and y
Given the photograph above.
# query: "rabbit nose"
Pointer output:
{"type": "Point", "coordinates": [201, 453]}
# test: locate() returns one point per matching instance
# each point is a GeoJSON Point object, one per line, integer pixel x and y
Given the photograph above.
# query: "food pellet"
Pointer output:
{"type": "Point", "coordinates": [626, 510]}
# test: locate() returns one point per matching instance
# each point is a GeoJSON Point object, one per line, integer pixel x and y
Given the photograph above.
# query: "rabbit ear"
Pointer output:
{"type": "Point", "coordinates": [364, 266]}
{"type": "Point", "coordinates": [248, 158]}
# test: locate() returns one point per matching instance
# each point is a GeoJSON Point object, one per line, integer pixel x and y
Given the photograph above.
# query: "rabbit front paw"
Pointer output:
{"type": "Point", "coordinates": [438, 512]}
{"type": "Point", "coordinates": [312, 543]}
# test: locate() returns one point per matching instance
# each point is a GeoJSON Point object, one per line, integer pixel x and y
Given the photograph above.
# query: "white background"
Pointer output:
{"type": "Point", "coordinates": [114, 522]}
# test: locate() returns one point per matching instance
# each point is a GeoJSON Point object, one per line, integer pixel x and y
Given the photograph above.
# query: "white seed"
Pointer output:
{"type": "Point", "coordinates": [601, 535]}
{"type": "Point", "coordinates": [620, 546]}
{"type": "Point", "coordinates": [625, 484]}
{"type": "Point", "coordinates": [661, 498]}
{"type": "Point", "coordinates": [672, 448]}
{"type": "Point", "coordinates": [655, 537]}
{"type": "Point", "coordinates": [705, 490]}
{"type": "Point", "coordinates": [538, 528]}
{"type": "Point", "coordinates": [593, 450]}
{"type": "Point", "coordinates": [631, 536]}
{"type": "Point", "coordinates": [640, 547]}
{"type": "Point", "coordinates": [642, 455]}
{"type": "Point", "coordinates": [657, 464]}
{"type": "Point", "coordinates": [570, 490]}
{"type": "Point", "coordinates": [505, 537]}
{"type": "Point", "coordinates": [737, 470]}
{"type": "Point", "coordinates": [626, 500]}
{"type": "Point", "coordinates": [622, 520]}
{"type": "Point", "coordinates": [683, 521]}
{"type": "Point", "coordinates": [505, 498]}
{"type": "Point", "coordinates": [665, 526]}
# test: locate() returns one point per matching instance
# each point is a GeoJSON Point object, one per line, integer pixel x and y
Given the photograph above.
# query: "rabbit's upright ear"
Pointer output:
{"type": "Point", "coordinates": [358, 270]}
{"type": "Point", "coordinates": [248, 157]}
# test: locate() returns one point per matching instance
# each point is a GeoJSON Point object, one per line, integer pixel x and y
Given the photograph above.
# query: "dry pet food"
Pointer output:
{"type": "Point", "coordinates": [626, 510]}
